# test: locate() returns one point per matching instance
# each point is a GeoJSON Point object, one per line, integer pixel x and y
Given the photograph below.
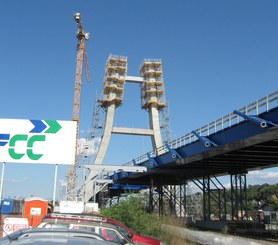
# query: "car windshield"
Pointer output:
{"type": "Point", "coordinates": [49, 225]}
{"type": "Point", "coordinates": [122, 230]}
{"type": "Point", "coordinates": [111, 235]}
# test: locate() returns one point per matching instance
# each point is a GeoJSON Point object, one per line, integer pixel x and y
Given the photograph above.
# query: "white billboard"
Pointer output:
{"type": "Point", "coordinates": [13, 224]}
{"type": "Point", "coordinates": [37, 141]}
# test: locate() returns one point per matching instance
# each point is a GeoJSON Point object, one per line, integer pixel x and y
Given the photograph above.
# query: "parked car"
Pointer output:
{"type": "Point", "coordinates": [133, 236]}
{"type": "Point", "coordinates": [90, 224]}
{"type": "Point", "coordinates": [39, 236]}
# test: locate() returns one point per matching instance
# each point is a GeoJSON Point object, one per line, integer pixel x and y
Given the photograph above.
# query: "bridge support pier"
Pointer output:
{"type": "Point", "coordinates": [151, 199]}
{"type": "Point", "coordinates": [160, 200]}
{"type": "Point", "coordinates": [168, 199]}
{"type": "Point", "coordinates": [172, 200]}
{"type": "Point", "coordinates": [214, 198]}
{"type": "Point", "coordinates": [238, 195]}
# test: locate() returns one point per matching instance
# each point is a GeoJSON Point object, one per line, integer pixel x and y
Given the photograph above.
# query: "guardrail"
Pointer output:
{"type": "Point", "coordinates": [259, 106]}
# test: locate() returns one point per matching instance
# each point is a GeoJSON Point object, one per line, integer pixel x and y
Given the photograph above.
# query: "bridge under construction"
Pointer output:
{"type": "Point", "coordinates": [233, 145]}
{"type": "Point", "coordinates": [242, 141]}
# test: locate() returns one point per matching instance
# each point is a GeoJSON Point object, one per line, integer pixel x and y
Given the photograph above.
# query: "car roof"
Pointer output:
{"type": "Point", "coordinates": [53, 236]}
{"type": "Point", "coordinates": [89, 217]}
{"type": "Point", "coordinates": [86, 217]}
{"type": "Point", "coordinates": [79, 222]}
{"type": "Point", "coordinates": [65, 231]}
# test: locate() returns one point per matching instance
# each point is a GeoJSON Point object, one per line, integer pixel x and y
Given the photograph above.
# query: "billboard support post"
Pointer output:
{"type": "Point", "coordinates": [55, 183]}
{"type": "Point", "coordinates": [2, 181]}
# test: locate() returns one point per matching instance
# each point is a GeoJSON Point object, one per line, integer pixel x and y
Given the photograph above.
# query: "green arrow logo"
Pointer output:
{"type": "Point", "coordinates": [54, 127]}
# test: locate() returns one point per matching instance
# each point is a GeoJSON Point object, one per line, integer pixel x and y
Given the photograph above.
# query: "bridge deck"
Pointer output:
{"type": "Point", "coordinates": [239, 147]}
{"type": "Point", "coordinates": [256, 152]}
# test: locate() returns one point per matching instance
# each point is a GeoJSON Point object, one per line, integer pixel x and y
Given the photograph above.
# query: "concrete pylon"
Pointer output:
{"type": "Point", "coordinates": [152, 100]}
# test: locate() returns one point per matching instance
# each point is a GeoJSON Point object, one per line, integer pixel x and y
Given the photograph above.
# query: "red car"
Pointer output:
{"type": "Point", "coordinates": [134, 237]}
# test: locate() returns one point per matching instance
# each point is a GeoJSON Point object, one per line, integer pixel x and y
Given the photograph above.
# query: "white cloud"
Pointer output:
{"type": "Point", "coordinates": [62, 182]}
{"type": "Point", "coordinates": [88, 147]}
{"type": "Point", "coordinates": [82, 131]}
{"type": "Point", "coordinates": [257, 177]}
{"type": "Point", "coordinates": [262, 177]}
{"type": "Point", "coordinates": [16, 180]}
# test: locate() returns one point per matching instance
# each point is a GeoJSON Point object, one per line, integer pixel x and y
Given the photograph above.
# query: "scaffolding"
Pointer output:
{"type": "Point", "coordinates": [153, 101]}
{"type": "Point", "coordinates": [113, 83]}
{"type": "Point", "coordinates": [165, 124]}
{"type": "Point", "coordinates": [152, 88]}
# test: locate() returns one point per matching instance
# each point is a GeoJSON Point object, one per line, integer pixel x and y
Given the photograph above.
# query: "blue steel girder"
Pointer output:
{"type": "Point", "coordinates": [206, 141]}
{"type": "Point", "coordinates": [120, 174]}
{"type": "Point", "coordinates": [173, 152]}
{"type": "Point", "coordinates": [254, 119]}
{"type": "Point", "coordinates": [235, 133]}
{"type": "Point", "coordinates": [127, 187]}
{"type": "Point", "coordinates": [117, 189]}
{"type": "Point", "coordinates": [152, 162]}
{"type": "Point", "coordinates": [242, 146]}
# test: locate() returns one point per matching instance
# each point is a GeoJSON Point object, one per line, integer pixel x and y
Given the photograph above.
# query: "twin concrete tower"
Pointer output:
{"type": "Point", "coordinates": [152, 99]}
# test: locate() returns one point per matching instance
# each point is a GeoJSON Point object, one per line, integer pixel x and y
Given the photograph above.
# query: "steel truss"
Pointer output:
{"type": "Point", "coordinates": [214, 197]}
{"type": "Point", "coordinates": [175, 200]}
{"type": "Point", "coordinates": [168, 199]}
{"type": "Point", "coordinates": [238, 195]}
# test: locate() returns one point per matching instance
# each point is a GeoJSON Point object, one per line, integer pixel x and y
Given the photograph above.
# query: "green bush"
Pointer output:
{"type": "Point", "coordinates": [132, 213]}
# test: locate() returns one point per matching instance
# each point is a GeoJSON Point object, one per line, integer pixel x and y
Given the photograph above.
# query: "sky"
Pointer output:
{"type": "Point", "coordinates": [217, 56]}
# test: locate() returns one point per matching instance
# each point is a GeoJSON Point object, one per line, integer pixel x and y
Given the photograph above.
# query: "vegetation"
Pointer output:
{"type": "Point", "coordinates": [260, 196]}
{"type": "Point", "coordinates": [133, 214]}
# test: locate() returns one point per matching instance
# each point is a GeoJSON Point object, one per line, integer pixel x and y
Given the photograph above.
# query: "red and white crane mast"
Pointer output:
{"type": "Point", "coordinates": [80, 59]}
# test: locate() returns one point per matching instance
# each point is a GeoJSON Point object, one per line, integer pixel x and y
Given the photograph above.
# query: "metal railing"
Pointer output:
{"type": "Point", "coordinates": [259, 106]}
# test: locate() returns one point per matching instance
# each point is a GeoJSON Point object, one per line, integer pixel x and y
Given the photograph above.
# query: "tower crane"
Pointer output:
{"type": "Point", "coordinates": [80, 59]}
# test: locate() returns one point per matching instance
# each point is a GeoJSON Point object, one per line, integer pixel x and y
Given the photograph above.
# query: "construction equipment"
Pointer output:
{"type": "Point", "coordinates": [81, 58]}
